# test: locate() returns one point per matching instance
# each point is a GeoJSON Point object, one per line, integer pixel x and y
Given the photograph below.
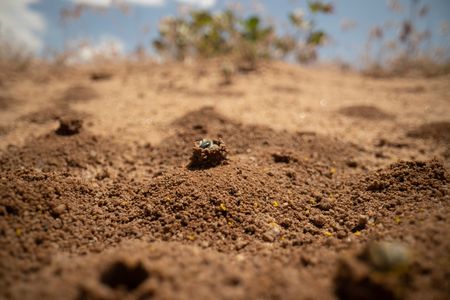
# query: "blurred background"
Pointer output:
{"type": "Point", "coordinates": [353, 33]}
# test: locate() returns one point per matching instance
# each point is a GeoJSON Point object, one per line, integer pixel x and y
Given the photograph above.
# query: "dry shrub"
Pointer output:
{"type": "Point", "coordinates": [13, 57]}
{"type": "Point", "coordinates": [245, 40]}
{"type": "Point", "coordinates": [404, 48]}
{"type": "Point", "coordinates": [407, 66]}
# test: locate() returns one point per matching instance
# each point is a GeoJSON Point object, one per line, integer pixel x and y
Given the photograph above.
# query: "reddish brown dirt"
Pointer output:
{"type": "Point", "coordinates": [78, 93]}
{"type": "Point", "coordinates": [364, 112]}
{"type": "Point", "coordinates": [113, 211]}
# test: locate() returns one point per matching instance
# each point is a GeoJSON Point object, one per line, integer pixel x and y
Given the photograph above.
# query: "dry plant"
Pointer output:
{"type": "Point", "coordinates": [246, 40]}
{"type": "Point", "coordinates": [409, 52]}
{"type": "Point", "coordinates": [13, 57]}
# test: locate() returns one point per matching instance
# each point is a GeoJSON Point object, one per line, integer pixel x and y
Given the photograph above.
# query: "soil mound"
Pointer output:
{"type": "Point", "coordinates": [235, 208]}
{"type": "Point", "coordinates": [407, 202]}
{"type": "Point", "coordinates": [268, 224]}
{"type": "Point", "coordinates": [69, 126]}
{"type": "Point", "coordinates": [208, 153]}
{"type": "Point", "coordinates": [52, 114]}
{"type": "Point", "coordinates": [4, 130]}
{"type": "Point", "coordinates": [7, 101]}
{"type": "Point", "coordinates": [367, 112]}
{"type": "Point", "coordinates": [53, 152]}
{"type": "Point", "coordinates": [167, 270]}
{"type": "Point", "coordinates": [438, 131]}
{"type": "Point", "coordinates": [78, 93]}
{"type": "Point", "coordinates": [230, 202]}
{"type": "Point", "coordinates": [257, 141]}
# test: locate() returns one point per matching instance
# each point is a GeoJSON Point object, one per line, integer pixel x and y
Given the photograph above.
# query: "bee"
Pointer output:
{"type": "Point", "coordinates": [205, 143]}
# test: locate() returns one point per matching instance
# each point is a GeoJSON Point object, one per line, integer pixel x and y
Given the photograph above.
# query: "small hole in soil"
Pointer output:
{"type": "Point", "coordinates": [358, 227]}
{"type": "Point", "coordinates": [233, 281]}
{"type": "Point", "coordinates": [281, 158]}
{"type": "Point", "coordinates": [120, 274]}
{"type": "Point", "coordinates": [12, 210]}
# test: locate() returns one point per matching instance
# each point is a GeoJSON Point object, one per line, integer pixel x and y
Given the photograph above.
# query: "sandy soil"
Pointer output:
{"type": "Point", "coordinates": [334, 186]}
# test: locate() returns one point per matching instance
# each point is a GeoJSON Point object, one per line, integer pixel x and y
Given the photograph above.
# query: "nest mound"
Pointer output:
{"type": "Point", "coordinates": [208, 153]}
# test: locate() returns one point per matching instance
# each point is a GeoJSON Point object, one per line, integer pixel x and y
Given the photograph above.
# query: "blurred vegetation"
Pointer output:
{"type": "Point", "coordinates": [13, 56]}
{"type": "Point", "coordinates": [247, 40]}
{"type": "Point", "coordinates": [241, 42]}
{"type": "Point", "coordinates": [403, 47]}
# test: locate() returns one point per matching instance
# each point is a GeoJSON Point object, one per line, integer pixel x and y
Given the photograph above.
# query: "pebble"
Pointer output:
{"type": "Point", "coordinates": [318, 221]}
{"type": "Point", "coordinates": [389, 256]}
{"type": "Point", "coordinates": [59, 209]}
{"type": "Point", "coordinates": [271, 234]}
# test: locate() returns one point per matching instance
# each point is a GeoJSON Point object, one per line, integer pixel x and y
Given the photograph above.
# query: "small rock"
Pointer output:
{"type": "Point", "coordinates": [378, 272]}
{"type": "Point", "coordinates": [341, 234]}
{"type": "Point", "coordinates": [59, 210]}
{"type": "Point", "coordinates": [388, 257]}
{"type": "Point", "coordinates": [271, 234]}
{"type": "Point", "coordinates": [362, 220]}
{"type": "Point", "coordinates": [268, 236]}
{"type": "Point", "coordinates": [205, 244]}
{"type": "Point", "coordinates": [318, 221]}
{"type": "Point", "coordinates": [240, 244]}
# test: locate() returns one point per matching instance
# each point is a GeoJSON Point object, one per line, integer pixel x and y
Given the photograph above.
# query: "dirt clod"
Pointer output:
{"type": "Point", "coordinates": [78, 93]}
{"type": "Point", "coordinates": [59, 209]}
{"type": "Point", "coordinates": [69, 126]}
{"type": "Point", "coordinates": [318, 221]}
{"type": "Point", "coordinates": [367, 112]}
{"type": "Point", "coordinates": [439, 131]}
{"type": "Point", "coordinates": [208, 153]}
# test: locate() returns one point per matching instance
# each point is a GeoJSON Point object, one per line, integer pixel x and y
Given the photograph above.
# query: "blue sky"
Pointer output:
{"type": "Point", "coordinates": [36, 24]}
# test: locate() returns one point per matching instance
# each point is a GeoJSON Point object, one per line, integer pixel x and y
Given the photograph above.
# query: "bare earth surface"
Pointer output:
{"type": "Point", "coordinates": [336, 186]}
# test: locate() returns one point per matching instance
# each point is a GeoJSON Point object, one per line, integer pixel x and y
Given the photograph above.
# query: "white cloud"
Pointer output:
{"type": "Point", "coordinates": [200, 3]}
{"type": "Point", "coordinates": [93, 2]}
{"type": "Point", "coordinates": [146, 2]}
{"type": "Point", "coordinates": [84, 51]}
{"type": "Point", "coordinates": [112, 2]}
{"type": "Point", "coordinates": [27, 26]}
{"type": "Point", "coordinates": [23, 24]}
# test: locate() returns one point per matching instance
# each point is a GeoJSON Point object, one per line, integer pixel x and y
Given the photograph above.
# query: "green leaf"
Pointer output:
{"type": "Point", "coordinates": [201, 19]}
{"type": "Point", "coordinates": [252, 24]}
{"type": "Point", "coordinates": [316, 38]}
{"type": "Point", "coordinates": [320, 7]}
